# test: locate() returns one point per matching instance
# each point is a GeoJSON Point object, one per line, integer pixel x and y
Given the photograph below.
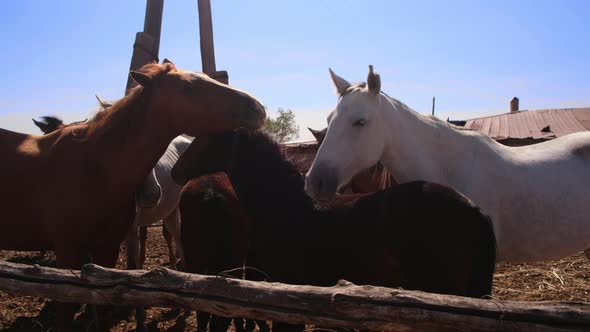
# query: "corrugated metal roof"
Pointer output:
{"type": "Point", "coordinates": [537, 124]}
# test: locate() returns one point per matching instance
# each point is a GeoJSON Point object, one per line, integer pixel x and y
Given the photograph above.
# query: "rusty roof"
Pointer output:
{"type": "Point", "coordinates": [535, 124]}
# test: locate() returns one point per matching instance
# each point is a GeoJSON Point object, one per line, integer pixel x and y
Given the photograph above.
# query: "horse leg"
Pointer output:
{"type": "Point", "coordinates": [219, 324]}
{"type": "Point", "coordinates": [142, 241]}
{"type": "Point", "coordinates": [250, 325]}
{"type": "Point", "coordinates": [105, 256]}
{"type": "Point", "coordinates": [262, 325]}
{"type": "Point", "coordinates": [202, 320]}
{"type": "Point", "coordinates": [168, 237]}
{"type": "Point", "coordinates": [132, 243]}
{"type": "Point", "coordinates": [172, 224]}
{"type": "Point", "coordinates": [68, 258]}
{"type": "Point", "coordinates": [134, 261]}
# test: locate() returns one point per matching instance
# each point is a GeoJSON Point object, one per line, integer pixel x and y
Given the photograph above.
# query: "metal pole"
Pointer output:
{"type": "Point", "coordinates": [433, 102]}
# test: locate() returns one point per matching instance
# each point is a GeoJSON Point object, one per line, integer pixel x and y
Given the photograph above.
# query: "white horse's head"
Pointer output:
{"type": "Point", "coordinates": [354, 141]}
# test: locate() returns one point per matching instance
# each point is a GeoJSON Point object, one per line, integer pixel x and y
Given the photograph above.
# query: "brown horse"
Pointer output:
{"type": "Point", "coordinates": [71, 191]}
{"type": "Point", "coordinates": [147, 195]}
{"type": "Point", "coordinates": [417, 235]}
{"type": "Point", "coordinates": [215, 233]}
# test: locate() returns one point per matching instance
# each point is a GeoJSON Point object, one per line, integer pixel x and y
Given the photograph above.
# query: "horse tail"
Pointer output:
{"type": "Point", "coordinates": [484, 263]}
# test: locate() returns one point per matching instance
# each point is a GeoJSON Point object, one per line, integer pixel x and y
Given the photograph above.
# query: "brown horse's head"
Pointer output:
{"type": "Point", "coordinates": [196, 104]}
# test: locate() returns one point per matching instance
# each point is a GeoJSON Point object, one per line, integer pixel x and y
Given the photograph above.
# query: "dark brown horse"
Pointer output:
{"type": "Point", "coordinates": [417, 235]}
{"type": "Point", "coordinates": [215, 233]}
{"type": "Point", "coordinates": [71, 191]}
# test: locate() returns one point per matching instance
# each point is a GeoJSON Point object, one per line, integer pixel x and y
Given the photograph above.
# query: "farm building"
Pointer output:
{"type": "Point", "coordinates": [524, 127]}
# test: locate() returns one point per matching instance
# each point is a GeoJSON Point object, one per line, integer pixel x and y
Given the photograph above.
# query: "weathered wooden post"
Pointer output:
{"type": "Point", "coordinates": [207, 48]}
{"type": "Point", "coordinates": [147, 43]}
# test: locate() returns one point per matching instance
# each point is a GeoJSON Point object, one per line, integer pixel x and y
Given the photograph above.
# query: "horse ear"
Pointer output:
{"type": "Point", "coordinates": [341, 84]}
{"type": "Point", "coordinates": [103, 103]}
{"type": "Point", "coordinates": [41, 125]}
{"type": "Point", "coordinates": [373, 81]}
{"type": "Point", "coordinates": [141, 78]}
{"type": "Point", "coordinates": [165, 61]}
{"type": "Point", "coordinates": [318, 134]}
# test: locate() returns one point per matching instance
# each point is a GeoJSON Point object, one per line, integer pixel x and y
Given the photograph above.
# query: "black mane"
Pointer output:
{"type": "Point", "coordinates": [261, 158]}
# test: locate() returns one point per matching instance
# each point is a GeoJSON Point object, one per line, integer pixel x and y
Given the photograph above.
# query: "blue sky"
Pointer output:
{"type": "Point", "coordinates": [474, 56]}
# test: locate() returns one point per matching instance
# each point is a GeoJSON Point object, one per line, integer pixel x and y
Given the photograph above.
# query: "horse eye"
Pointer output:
{"type": "Point", "coordinates": [359, 123]}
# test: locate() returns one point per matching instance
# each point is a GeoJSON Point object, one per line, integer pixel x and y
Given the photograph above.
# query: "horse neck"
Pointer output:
{"type": "Point", "coordinates": [128, 143]}
{"type": "Point", "coordinates": [424, 148]}
{"type": "Point", "coordinates": [271, 190]}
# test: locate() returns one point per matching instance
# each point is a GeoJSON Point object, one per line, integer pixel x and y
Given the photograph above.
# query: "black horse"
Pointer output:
{"type": "Point", "coordinates": [419, 235]}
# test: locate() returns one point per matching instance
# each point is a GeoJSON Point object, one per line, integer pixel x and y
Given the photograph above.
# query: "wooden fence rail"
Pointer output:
{"type": "Point", "coordinates": [344, 305]}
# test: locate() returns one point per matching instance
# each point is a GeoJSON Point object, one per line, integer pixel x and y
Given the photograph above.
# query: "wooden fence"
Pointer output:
{"type": "Point", "coordinates": [344, 305]}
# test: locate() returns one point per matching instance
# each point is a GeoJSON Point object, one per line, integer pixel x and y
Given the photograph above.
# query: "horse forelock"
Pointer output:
{"type": "Point", "coordinates": [155, 70]}
{"type": "Point", "coordinates": [355, 86]}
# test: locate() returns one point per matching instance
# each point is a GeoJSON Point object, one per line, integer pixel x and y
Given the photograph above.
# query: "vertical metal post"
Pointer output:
{"type": "Point", "coordinates": [433, 102]}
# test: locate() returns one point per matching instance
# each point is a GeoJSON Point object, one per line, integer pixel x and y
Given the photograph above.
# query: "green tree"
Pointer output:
{"type": "Point", "coordinates": [282, 128]}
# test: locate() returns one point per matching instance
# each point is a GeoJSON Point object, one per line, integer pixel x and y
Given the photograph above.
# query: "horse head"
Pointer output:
{"type": "Point", "coordinates": [353, 141]}
{"type": "Point", "coordinates": [201, 104]}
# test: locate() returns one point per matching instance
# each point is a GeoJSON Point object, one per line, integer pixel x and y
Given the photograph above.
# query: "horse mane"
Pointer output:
{"type": "Point", "coordinates": [278, 169]}
{"type": "Point", "coordinates": [357, 86]}
{"type": "Point", "coordinates": [102, 120]}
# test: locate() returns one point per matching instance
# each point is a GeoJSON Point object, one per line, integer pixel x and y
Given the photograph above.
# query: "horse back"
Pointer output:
{"type": "Point", "coordinates": [441, 242]}
{"type": "Point", "coordinates": [21, 183]}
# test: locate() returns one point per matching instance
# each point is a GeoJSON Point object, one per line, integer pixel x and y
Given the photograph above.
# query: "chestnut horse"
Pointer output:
{"type": "Point", "coordinates": [71, 191]}
{"type": "Point", "coordinates": [417, 235]}
{"type": "Point", "coordinates": [215, 233]}
{"type": "Point", "coordinates": [157, 198]}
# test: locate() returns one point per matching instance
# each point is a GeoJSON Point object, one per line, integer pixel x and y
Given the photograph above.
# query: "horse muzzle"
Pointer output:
{"type": "Point", "coordinates": [321, 183]}
{"type": "Point", "coordinates": [251, 113]}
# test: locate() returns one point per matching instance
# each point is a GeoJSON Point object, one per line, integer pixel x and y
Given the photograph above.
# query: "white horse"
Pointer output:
{"type": "Point", "coordinates": [538, 196]}
{"type": "Point", "coordinates": [166, 208]}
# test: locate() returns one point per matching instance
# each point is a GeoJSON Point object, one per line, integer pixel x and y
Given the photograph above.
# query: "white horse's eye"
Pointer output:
{"type": "Point", "coordinates": [359, 123]}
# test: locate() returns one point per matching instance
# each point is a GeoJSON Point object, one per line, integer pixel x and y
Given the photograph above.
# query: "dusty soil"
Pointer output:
{"type": "Point", "coordinates": [564, 280]}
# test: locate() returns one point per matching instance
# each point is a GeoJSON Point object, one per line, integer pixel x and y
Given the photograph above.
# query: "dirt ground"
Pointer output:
{"type": "Point", "coordinates": [563, 280]}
